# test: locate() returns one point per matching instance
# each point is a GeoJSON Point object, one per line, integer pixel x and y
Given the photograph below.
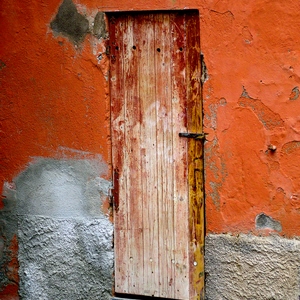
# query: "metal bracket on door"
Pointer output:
{"type": "Point", "coordinates": [195, 136]}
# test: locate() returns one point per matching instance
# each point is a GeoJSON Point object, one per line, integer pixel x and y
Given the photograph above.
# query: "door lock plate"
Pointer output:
{"type": "Point", "coordinates": [195, 136]}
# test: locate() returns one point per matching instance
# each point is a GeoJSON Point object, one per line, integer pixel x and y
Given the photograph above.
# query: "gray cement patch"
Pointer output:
{"type": "Point", "coordinates": [99, 29]}
{"type": "Point", "coordinates": [251, 267]}
{"type": "Point", "coordinates": [61, 188]}
{"type": "Point", "coordinates": [8, 230]}
{"type": "Point", "coordinates": [65, 241]}
{"type": "Point", "coordinates": [70, 23]}
{"type": "Point", "coordinates": [262, 221]}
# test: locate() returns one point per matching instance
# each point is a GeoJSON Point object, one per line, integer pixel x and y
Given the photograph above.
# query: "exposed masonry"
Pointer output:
{"type": "Point", "coordinates": [65, 241]}
{"type": "Point", "coordinates": [75, 26]}
{"type": "Point", "coordinates": [295, 93]}
{"type": "Point", "coordinates": [263, 221]}
{"type": "Point", "coordinates": [252, 268]}
{"type": "Point", "coordinates": [70, 23]}
{"type": "Point", "coordinates": [100, 29]}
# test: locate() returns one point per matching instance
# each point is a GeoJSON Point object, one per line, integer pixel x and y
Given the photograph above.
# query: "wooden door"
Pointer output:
{"type": "Point", "coordinates": [158, 176]}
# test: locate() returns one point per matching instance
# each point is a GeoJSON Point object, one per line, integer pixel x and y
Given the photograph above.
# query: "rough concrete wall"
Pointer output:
{"type": "Point", "coordinates": [65, 240]}
{"type": "Point", "coordinates": [251, 267]}
{"type": "Point", "coordinates": [55, 209]}
{"type": "Point", "coordinates": [65, 258]}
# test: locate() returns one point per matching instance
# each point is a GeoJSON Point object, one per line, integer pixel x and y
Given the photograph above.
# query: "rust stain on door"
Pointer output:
{"type": "Point", "coordinates": [155, 95]}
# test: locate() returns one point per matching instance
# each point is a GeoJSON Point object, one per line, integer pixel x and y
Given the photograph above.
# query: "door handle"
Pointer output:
{"type": "Point", "coordinates": [195, 136]}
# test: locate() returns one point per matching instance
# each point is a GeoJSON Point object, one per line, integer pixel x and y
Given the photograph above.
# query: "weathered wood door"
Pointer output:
{"type": "Point", "coordinates": [158, 176]}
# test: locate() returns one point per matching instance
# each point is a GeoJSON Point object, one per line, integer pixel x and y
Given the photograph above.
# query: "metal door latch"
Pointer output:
{"type": "Point", "coordinates": [195, 136]}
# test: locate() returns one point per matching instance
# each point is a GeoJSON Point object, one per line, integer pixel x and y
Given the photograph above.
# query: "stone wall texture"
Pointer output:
{"type": "Point", "coordinates": [251, 267]}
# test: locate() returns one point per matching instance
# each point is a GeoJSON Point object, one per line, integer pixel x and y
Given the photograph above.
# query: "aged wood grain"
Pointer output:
{"type": "Point", "coordinates": [117, 79]}
{"type": "Point", "coordinates": [155, 94]}
{"type": "Point", "coordinates": [149, 156]}
{"type": "Point", "coordinates": [195, 160]}
{"type": "Point", "coordinates": [164, 152]}
{"type": "Point", "coordinates": [132, 159]}
{"type": "Point", "coordinates": [181, 207]}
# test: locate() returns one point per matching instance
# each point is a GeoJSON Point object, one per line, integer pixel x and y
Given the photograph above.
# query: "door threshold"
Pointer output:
{"type": "Point", "coordinates": [138, 297]}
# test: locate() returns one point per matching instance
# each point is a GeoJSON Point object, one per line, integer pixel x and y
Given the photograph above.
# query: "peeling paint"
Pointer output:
{"type": "Point", "coordinates": [70, 23]}
{"type": "Point", "coordinates": [218, 172]}
{"type": "Point", "coordinates": [99, 28]}
{"type": "Point", "coordinates": [204, 71]}
{"type": "Point", "coordinates": [248, 37]}
{"type": "Point", "coordinates": [2, 65]}
{"type": "Point", "coordinates": [290, 147]}
{"type": "Point", "coordinates": [294, 94]}
{"type": "Point", "coordinates": [268, 118]}
{"type": "Point", "coordinates": [245, 94]}
{"type": "Point", "coordinates": [263, 221]}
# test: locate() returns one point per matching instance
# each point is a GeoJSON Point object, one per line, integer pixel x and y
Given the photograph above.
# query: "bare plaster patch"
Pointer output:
{"type": "Point", "coordinates": [267, 117]}
{"type": "Point", "coordinates": [263, 221]}
{"type": "Point", "coordinates": [70, 22]}
{"type": "Point", "coordinates": [61, 188]}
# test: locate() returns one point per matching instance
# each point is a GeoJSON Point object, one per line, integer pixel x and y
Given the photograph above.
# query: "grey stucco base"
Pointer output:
{"type": "Point", "coordinates": [251, 267]}
{"type": "Point", "coordinates": [65, 241]}
{"type": "Point", "coordinates": [65, 259]}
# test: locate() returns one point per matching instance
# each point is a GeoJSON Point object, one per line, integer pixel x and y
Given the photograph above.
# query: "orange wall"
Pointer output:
{"type": "Point", "coordinates": [54, 98]}
{"type": "Point", "coordinates": [250, 102]}
{"type": "Point", "coordinates": [53, 95]}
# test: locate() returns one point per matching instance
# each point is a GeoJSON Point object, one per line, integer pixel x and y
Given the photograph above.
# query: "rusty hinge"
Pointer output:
{"type": "Point", "coordinates": [195, 136]}
{"type": "Point", "coordinates": [107, 50]}
{"type": "Point", "coordinates": [110, 51]}
{"type": "Point", "coordinates": [114, 194]}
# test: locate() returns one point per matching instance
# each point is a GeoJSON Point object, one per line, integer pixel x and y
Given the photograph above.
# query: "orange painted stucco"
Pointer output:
{"type": "Point", "coordinates": [55, 101]}
{"type": "Point", "coordinates": [54, 95]}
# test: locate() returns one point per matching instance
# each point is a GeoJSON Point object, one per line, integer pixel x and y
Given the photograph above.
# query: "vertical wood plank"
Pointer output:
{"type": "Point", "coordinates": [117, 77]}
{"type": "Point", "coordinates": [195, 153]}
{"type": "Point", "coordinates": [181, 200]}
{"type": "Point", "coordinates": [132, 161]}
{"type": "Point", "coordinates": [164, 152]}
{"type": "Point", "coordinates": [148, 155]}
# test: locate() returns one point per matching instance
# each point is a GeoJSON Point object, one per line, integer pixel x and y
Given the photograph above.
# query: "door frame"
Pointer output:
{"type": "Point", "coordinates": [195, 153]}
